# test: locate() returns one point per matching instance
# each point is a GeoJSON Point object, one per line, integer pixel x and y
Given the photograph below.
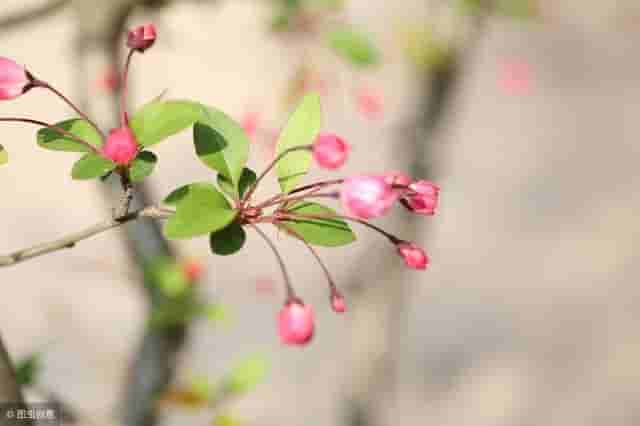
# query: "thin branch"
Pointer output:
{"type": "Point", "coordinates": [280, 156]}
{"type": "Point", "coordinates": [287, 200]}
{"type": "Point", "coordinates": [70, 241]}
{"type": "Point", "coordinates": [52, 127]}
{"type": "Point", "coordinates": [9, 22]}
{"type": "Point", "coordinates": [313, 186]}
{"type": "Point", "coordinates": [287, 280]}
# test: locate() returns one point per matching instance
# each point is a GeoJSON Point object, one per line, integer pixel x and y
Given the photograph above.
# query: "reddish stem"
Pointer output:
{"type": "Point", "coordinates": [124, 119]}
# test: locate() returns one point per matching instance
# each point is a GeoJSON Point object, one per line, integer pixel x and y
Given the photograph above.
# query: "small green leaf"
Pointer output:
{"type": "Point", "coordinates": [91, 166]}
{"type": "Point", "coordinates": [320, 232]}
{"type": "Point", "coordinates": [221, 143]}
{"type": "Point", "coordinates": [50, 139]}
{"type": "Point", "coordinates": [228, 240]}
{"type": "Point", "coordinates": [301, 129]}
{"type": "Point", "coordinates": [247, 374]}
{"type": "Point", "coordinates": [4, 156]}
{"type": "Point", "coordinates": [203, 209]}
{"type": "Point", "coordinates": [27, 370]}
{"type": "Point", "coordinates": [353, 46]}
{"type": "Point", "coordinates": [176, 195]}
{"type": "Point", "coordinates": [158, 120]}
{"type": "Point", "coordinates": [247, 179]}
{"type": "Point", "coordinates": [142, 166]}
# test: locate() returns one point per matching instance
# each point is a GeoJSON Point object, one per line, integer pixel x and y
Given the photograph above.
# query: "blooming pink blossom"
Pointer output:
{"type": "Point", "coordinates": [109, 81]}
{"type": "Point", "coordinates": [250, 123]}
{"type": "Point", "coordinates": [141, 38]}
{"type": "Point", "coordinates": [295, 323]}
{"type": "Point", "coordinates": [337, 302]}
{"type": "Point", "coordinates": [423, 198]}
{"type": "Point", "coordinates": [397, 178]}
{"type": "Point", "coordinates": [330, 151]}
{"type": "Point", "coordinates": [121, 146]}
{"type": "Point", "coordinates": [413, 256]}
{"type": "Point", "coordinates": [367, 196]}
{"type": "Point", "coordinates": [14, 80]}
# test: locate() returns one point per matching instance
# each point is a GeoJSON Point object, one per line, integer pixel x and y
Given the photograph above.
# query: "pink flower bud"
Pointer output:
{"type": "Point", "coordinates": [367, 196]}
{"type": "Point", "coordinates": [424, 198]}
{"type": "Point", "coordinates": [337, 302]}
{"type": "Point", "coordinates": [141, 38]}
{"type": "Point", "coordinates": [413, 256]}
{"type": "Point", "coordinates": [121, 146]}
{"type": "Point", "coordinates": [295, 323]}
{"type": "Point", "coordinates": [14, 80]}
{"type": "Point", "coordinates": [192, 269]}
{"type": "Point", "coordinates": [330, 151]}
{"type": "Point", "coordinates": [397, 179]}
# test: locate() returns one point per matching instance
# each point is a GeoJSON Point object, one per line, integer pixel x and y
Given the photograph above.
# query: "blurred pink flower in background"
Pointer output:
{"type": "Point", "coordinates": [514, 77]}
{"type": "Point", "coordinates": [109, 81]}
{"type": "Point", "coordinates": [370, 103]}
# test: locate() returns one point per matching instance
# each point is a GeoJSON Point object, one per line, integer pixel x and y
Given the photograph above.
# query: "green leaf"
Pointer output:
{"type": "Point", "coordinates": [4, 156]}
{"type": "Point", "coordinates": [170, 277]}
{"type": "Point", "coordinates": [320, 232]}
{"type": "Point", "coordinates": [201, 210]}
{"type": "Point", "coordinates": [158, 120]}
{"type": "Point", "coordinates": [221, 143]}
{"type": "Point", "coordinates": [247, 374]}
{"type": "Point", "coordinates": [176, 195]}
{"type": "Point", "coordinates": [142, 166]}
{"type": "Point", "coordinates": [91, 166]}
{"type": "Point", "coordinates": [353, 46]}
{"type": "Point", "coordinates": [228, 240]}
{"type": "Point", "coordinates": [27, 370]}
{"type": "Point", "coordinates": [50, 139]}
{"type": "Point", "coordinates": [301, 129]}
{"type": "Point", "coordinates": [247, 178]}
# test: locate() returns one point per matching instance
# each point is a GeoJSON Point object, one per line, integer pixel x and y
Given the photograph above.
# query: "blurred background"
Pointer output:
{"type": "Point", "coordinates": [522, 111]}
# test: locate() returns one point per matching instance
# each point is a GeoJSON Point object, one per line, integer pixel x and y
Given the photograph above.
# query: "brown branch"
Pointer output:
{"type": "Point", "coordinates": [71, 240]}
{"type": "Point", "coordinates": [12, 21]}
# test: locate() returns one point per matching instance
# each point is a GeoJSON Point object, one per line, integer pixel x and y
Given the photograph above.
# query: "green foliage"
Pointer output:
{"type": "Point", "coordinates": [226, 420]}
{"type": "Point", "coordinates": [247, 178]}
{"type": "Point", "coordinates": [200, 209]}
{"type": "Point", "coordinates": [520, 9]}
{"type": "Point", "coordinates": [301, 129]}
{"type": "Point", "coordinates": [91, 166]}
{"type": "Point", "coordinates": [320, 232]}
{"type": "Point", "coordinates": [50, 139]}
{"type": "Point", "coordinates": [354, 47]}
{"type": "Point", "coordinates": [246, 375]}
{"type": "Point", "coordinates": [28, 369]}
{"type": "Point", "coordinates": [228, 240]}
{"type": "Point", "coordinates": [158, 120]}
{"type": "Point", "coordinates": [4, 156]}
{"type": "Point", "coordinates": [221, 143]}
{"type": "Point", "coordinates": [142, 166]}
{"type": "Point", "coordinates": [169, 276]}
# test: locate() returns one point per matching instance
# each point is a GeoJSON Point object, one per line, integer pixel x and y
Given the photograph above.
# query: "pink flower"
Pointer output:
{"type": "Point", "coordinates": [337, 302]}
{"type": "Point", "coordinates": [295, 323]}
{"type": "Point", "coordinates": [424, 197]}
{"type": "Point", "coordinates": [14, 80]}
{"type": "Point", "coordinates": [121, 146]}
{"type": "Point", "coordinates": [370, 103]}
{"type": "Point", "coordinates": [141, 38]}
{"type": "Point", "coordinates": [397, 179]}
{"type": "Point", "coordinates": [366, 196]}
{"type": "Point", "coordinates": [250, 123]}
{"type": "Point", "coordinates": [109, 81]}
{"type": "Point", "coordinates": [330, 151]}
{"type": "Point", "coordinates": [192, 269]}
{"type": "Point", "coordinates": [515, 77]}
{"type": "Point", "coordinates": [413, 256]}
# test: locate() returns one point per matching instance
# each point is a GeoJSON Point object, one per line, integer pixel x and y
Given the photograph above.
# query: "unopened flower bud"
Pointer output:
{"type": "Point", "coordinates": [414, 257]}
{"type": "Point", "coordinates": [330, 151]}
{"type": "Point", "coordinates": [424, 197]}
{"type": "Point", "coordinates": [337, 302]}
{"type": "Point", "coordinates": [121, 146]}
{"type": "Point", "coordinates": [14, 80]}
{"type": "Point", "coordinates": [367, 196]}
{"type": "Point", "coordinates": [141, 38]}
{"type": "Point", "coordinates": [295, 323]}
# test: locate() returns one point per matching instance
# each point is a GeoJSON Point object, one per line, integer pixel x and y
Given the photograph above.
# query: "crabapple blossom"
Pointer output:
{"type": "Point", "coordinates": [367, 196]}
{"type": "Point", "coordinates": [330, 151]}
{"type": "Point", "coordinates": [121, 146]}
{"type": "Point", "coordinates": [423, 198]}
{"type": "Point", "coordinates": [295, 323]}
{"type": "Point", "coordinates": [141, 38]}
{"type": "Point", "coordinates": [14, 80]}
{"type": "Point", "coordinates": [414, 257]}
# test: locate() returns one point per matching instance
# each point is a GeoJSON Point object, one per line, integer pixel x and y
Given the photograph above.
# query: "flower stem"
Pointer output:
{"type": "Point", "coordinates": [52, 127]}
{"type": "Point", "coordinates": [251, 190]}
{"type": "Point", "coordinates": [291, 294]}
{"type": "Point", "coordinates": [45, 85]}
{"type": "Point", "coordinates": [313, 186]}
{"type": "Point", "coordinates": [124, 118]}
{"type": "Point", "coordinates": [287, 200]}
{"type": "Point", "coordinates": [302, 216]}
